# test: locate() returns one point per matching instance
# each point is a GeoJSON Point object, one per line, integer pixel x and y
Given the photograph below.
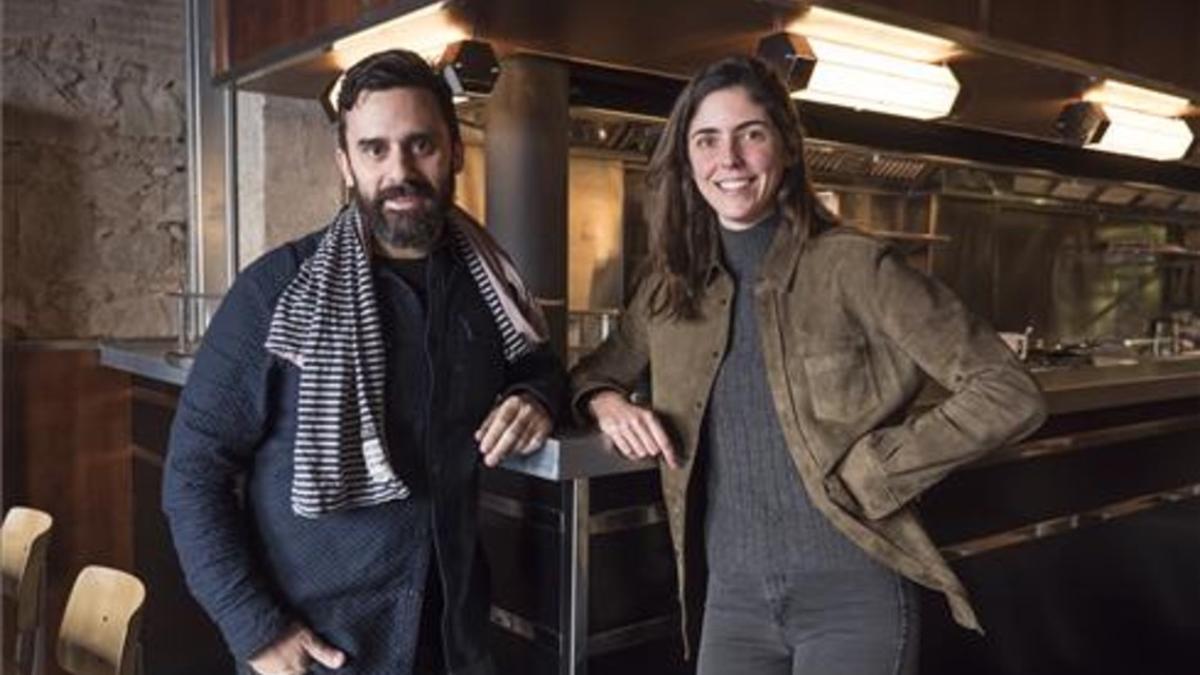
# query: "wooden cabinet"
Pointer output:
{"type": "Point", "coordinates": [177, 637]}
{"type": "Point", "coordinates": [251, 31]}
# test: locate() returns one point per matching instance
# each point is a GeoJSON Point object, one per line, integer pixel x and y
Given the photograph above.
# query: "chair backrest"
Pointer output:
{"type": "Point", "coordinates": [24, 539]}
{"type": "Point", "coordinates": [101, 626]}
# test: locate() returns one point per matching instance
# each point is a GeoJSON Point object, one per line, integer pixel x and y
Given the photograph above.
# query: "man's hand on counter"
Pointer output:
{"type": "Point", "coordinates": [519, 423]}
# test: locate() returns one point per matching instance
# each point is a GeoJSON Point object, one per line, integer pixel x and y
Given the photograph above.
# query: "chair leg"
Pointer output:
{"type": "Point", "coordinates": [24, 656]}
{"type": "Point", "coordinates": [39, 637]}
{"type": "Point", "coordinates": [38, 666]}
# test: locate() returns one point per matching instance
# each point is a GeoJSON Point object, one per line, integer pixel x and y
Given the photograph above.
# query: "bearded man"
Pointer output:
{"type": "Point", "coordinates": [322, 474]}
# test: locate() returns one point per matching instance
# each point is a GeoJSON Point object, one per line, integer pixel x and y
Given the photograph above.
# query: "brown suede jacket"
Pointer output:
{"type": "Point", "coordinates": [849, 332]}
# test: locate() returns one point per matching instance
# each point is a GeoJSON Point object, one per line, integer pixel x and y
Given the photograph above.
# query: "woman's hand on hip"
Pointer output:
{"type": "Point", "coordinates": [634, 430]}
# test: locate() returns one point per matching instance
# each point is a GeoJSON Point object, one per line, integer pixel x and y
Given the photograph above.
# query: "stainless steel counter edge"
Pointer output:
{"type": "Point", "coordinates": [585, 455]}
{"type": "Point", "coordinates": [1071, 390]}
{"type": "Point", "coordinates": [590, 454]}
{"type": "Point", "coordinates": [1077, 390]}
{"type": "Point", "coordinates": [560, 459]}
{"type": "Point", "coordinates": [152, 359]}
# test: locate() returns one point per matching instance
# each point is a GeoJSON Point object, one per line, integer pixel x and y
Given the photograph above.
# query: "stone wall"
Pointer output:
{"type": "Point", "coordinates": [288, 181]}
{"type": "Point", "coordinates": [95, 166]}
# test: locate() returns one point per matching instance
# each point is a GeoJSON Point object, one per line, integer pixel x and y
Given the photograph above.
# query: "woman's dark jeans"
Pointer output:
{"type": "Point", "coordinates": [817, 623]}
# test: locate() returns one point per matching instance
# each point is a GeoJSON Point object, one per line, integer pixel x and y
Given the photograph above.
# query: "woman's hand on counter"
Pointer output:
{"type": "Point", "coordinates": [635, 431]}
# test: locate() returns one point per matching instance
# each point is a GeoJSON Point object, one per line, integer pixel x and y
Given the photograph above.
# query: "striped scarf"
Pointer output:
{"type": "Point", "coordinates": [327, 324]}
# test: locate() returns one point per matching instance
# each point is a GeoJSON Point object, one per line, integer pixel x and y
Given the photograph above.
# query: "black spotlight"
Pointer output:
{"type": "Point", "coordinates": [791, 55]}
{"type": "Point", "coordinates": [470, 68]}
{"type": "Point", "coordinates": [1081, 123]}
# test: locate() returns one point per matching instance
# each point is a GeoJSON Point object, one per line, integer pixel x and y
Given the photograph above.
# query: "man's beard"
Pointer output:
{"type": "Point", "coordinates": [417, 229]}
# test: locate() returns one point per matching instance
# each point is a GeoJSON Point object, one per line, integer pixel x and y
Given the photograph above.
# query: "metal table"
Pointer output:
{"type": "Point", "coordinates": [572, 462]}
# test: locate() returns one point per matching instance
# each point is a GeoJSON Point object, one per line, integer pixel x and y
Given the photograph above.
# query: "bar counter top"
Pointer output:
{"type": "Point", "coordinates": [579, 455]}
{"type": "Point", "coordinates": [571, 456]}
{"type": "Point", "coordinates": [1067, 389]}
{"type": "Point", "coordinates": [152, 359]}
{"type": "Point", "coordinates": [1088, 388]}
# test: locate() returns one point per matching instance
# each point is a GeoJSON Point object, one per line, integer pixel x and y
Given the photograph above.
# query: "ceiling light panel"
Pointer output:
{"type": "Point", "coordinates": [1113, 92]}
{"type": "Point", "coordinates": [827, 24]}
{"type": "Point", "coordinates": [1131, 132]}
{"type": "Point", "coordinates": [866, 80]}
{"type": "Point", "coordinates": [426, 31]}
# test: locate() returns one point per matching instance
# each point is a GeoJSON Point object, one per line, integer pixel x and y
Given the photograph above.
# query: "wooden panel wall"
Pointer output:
{"type": "Point", "coordinates": [256, 27]}
{"type": "Point", "coordinates": [67, 452]}
{"type": "Point", "coordinates": [1158, 40]}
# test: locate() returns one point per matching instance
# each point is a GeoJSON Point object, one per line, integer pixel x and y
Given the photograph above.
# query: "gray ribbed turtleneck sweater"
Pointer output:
{"type": "Point", "coordinates": [759, 520]}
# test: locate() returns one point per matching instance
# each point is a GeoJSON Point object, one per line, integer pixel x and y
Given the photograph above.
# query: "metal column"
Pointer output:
{"type": "Point", "coordinates": [526, 148]}
{"type": "Point", "coordinates": [212, 175]}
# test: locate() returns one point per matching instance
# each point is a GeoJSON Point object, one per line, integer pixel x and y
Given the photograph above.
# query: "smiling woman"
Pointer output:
{"type": "Point", "coordinates": [737, 157]}
{"type": "Point", "coordinates": [782, 350]}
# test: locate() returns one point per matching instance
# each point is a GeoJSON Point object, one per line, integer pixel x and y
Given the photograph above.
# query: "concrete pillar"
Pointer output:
{"type": "Point", "coordinates": [526, 153]}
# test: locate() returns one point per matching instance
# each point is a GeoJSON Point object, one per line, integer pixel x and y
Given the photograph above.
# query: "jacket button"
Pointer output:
{"type": "Point", "coordinates": [699, 405]}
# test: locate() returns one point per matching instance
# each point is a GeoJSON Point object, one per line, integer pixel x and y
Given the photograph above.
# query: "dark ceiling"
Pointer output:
{"type": "Point", "coordinates": [1006, 88]}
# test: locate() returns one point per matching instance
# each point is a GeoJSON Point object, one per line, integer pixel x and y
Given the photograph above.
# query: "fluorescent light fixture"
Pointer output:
{"type": "Point", "coordinates": [426, 31]}
{"type": "Point", "coordinates": [859, 78]}
{"type": "Point", "coordinates": [1131, 132]}
{"type": "Point", "coordinates": [841, 74]}
{"type": "Point", "coordinates": [1113, 128]}
{"type": "Point", "coordinates": [1112, 92]}
{"type": "Point", "coordinates": [468, 66]}
{"type": "Point", "coordinates": [847, 29]}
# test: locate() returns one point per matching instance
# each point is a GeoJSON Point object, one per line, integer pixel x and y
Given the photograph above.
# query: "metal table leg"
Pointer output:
{"type": "Point", "coordinates": [573, 567]}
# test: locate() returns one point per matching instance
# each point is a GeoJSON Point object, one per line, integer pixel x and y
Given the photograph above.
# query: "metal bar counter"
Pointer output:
{"type": "Point", "coordinates": [583, 578]}
{"type": "Point", "coordinates": [152, 359]}
{"type": "Point", "coordinates": [1067, 389]}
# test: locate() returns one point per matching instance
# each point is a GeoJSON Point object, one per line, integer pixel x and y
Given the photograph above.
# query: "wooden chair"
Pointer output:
{"type": "Point", "coordinates": [101, 626]}
{"type": "Point", "coordinates": [24, 538]}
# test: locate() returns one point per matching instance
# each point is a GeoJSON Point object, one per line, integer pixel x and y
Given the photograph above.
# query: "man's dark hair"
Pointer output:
{"type": "Point", "coordinates": [390, 70]}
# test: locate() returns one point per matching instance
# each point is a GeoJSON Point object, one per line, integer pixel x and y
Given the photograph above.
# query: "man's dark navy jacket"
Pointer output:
{"type": "Point", "coordinates": [356, 577]}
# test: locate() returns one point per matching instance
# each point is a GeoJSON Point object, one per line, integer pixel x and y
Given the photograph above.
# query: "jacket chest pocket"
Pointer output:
{"type": "Point", "coordinates": [841, 381]}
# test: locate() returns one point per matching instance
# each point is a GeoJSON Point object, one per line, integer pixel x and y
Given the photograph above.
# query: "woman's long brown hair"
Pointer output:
{"type": "Point", "coordinates": [684, 235]}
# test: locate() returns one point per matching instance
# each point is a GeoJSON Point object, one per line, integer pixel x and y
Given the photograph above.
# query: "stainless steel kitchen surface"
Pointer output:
{"type": "Point", "coordinates": [1086, 265]}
